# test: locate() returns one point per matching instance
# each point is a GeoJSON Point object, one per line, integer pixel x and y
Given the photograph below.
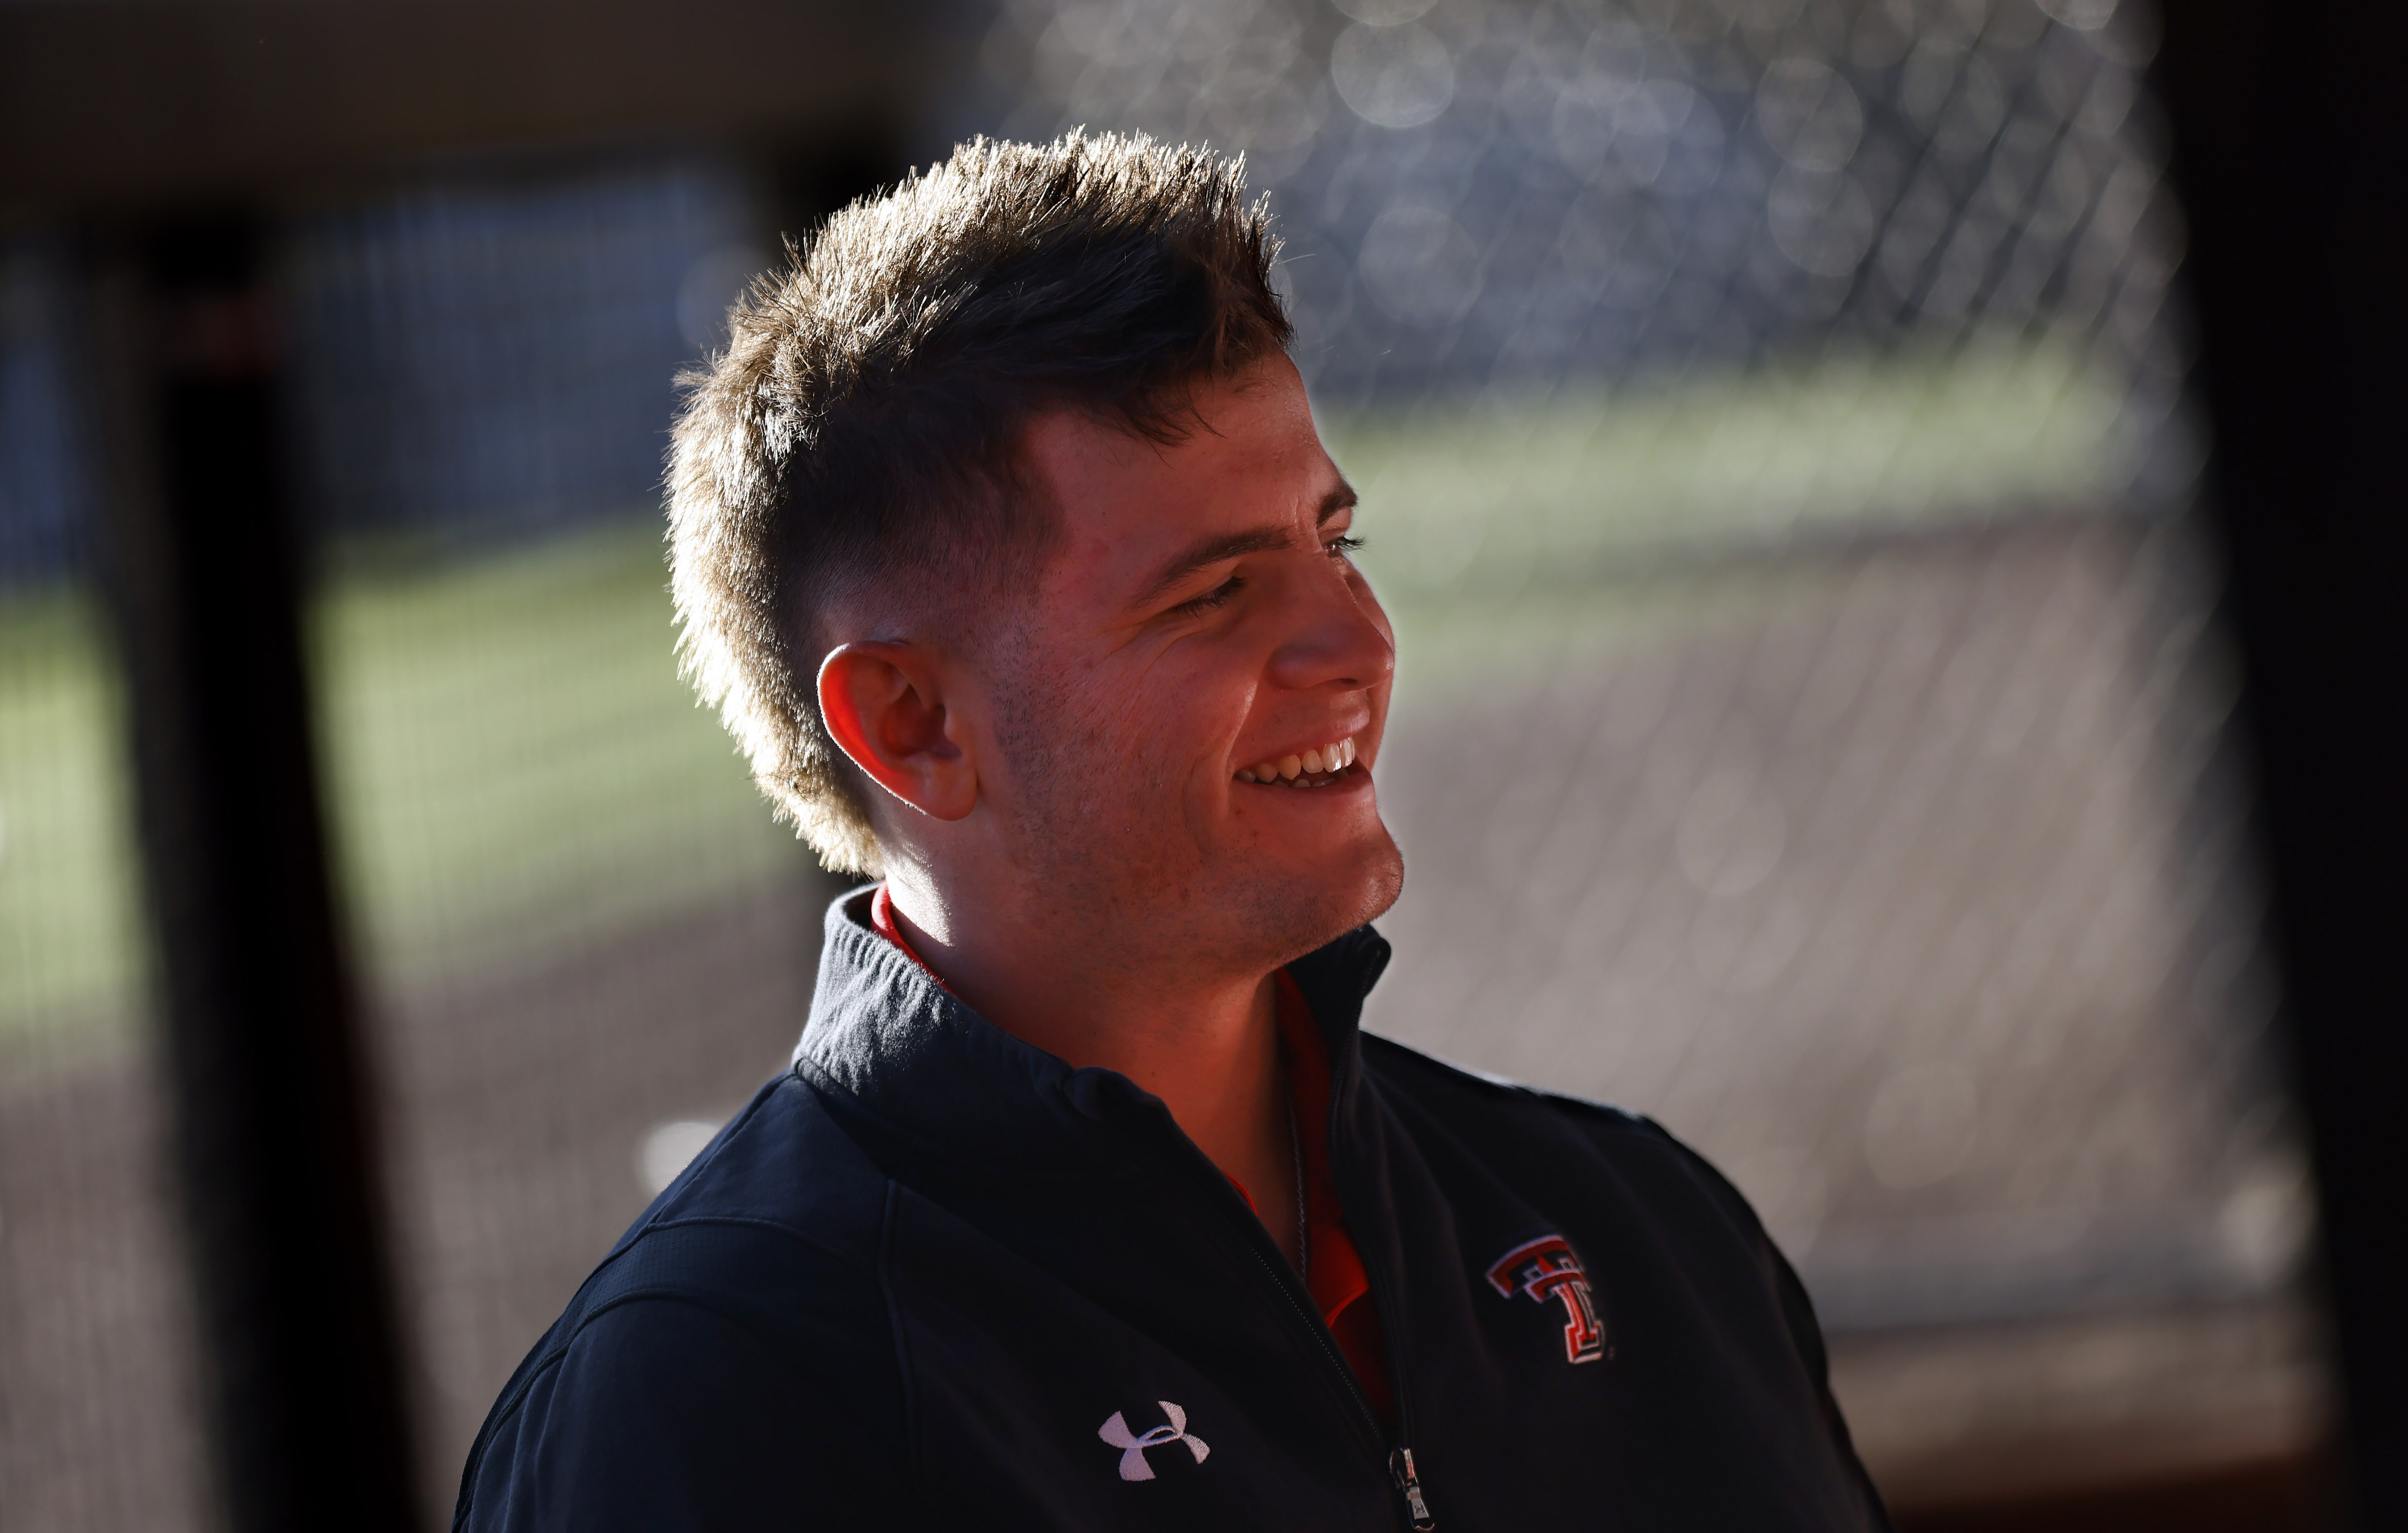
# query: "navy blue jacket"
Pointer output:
{"type": "Point", "coordinates": [936, 1278]}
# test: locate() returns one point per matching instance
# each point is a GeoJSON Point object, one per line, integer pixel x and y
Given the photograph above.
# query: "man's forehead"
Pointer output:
{"type": "Point", "coordinates": [1248, 455]}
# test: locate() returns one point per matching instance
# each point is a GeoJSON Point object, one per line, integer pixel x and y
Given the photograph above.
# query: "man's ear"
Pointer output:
{"type": "Point", "coordinates": [885, 705]}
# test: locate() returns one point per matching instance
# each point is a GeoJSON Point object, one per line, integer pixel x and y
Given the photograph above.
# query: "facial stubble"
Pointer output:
{"type": "Point", "coordinates": [1120, 848]}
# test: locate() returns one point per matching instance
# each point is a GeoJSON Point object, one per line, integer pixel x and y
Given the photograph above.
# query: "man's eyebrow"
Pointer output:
{"type": "Point", "coordinates": [1236, 545]}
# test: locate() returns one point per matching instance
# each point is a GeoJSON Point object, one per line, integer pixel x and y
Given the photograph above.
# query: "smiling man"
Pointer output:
{"type": "Point", "coordinates": [1006, 544]}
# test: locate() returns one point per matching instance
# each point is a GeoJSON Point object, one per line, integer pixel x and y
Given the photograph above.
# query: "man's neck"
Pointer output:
{"type": "Point", "coordinates": [1206, 1044]}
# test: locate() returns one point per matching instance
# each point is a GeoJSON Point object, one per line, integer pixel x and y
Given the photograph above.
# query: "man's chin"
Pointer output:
{"type": "Point", "coordinates": [1382, 883]}
{"type": "Point", "coordinates": [1310, 909]}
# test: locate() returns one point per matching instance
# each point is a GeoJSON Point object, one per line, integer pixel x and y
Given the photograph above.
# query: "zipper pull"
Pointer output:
{"type": "Point", "coordinates": [1400, 1464]}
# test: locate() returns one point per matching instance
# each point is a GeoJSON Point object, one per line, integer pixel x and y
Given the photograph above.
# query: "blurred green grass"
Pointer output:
{"type": "Point", "coordinates": [1485, 495]}
{"type": "Point", "coordinates": [514, 765]}
{"type": "Point", "coordinates": [69, 951]}
{"type": "Point", "coordinates": [511, 762]}
{"type": "Point", "coordinates": [514, 759]}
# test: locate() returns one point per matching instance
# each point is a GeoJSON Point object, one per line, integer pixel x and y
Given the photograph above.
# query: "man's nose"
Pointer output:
{"type": "Point", "coordinates": [1338, 638]}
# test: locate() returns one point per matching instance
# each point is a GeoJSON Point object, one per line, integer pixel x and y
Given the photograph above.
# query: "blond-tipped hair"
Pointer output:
{"type": "Point", "coordinates": [857, 438]}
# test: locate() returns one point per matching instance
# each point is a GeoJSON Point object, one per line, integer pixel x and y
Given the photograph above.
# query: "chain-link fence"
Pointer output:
{"type": "Point", "coordinates": [97, 1311]}
{"type": "Point", "coordinates": [574, 920]}
{"type": "Point", "coordinates": [1770, 420]}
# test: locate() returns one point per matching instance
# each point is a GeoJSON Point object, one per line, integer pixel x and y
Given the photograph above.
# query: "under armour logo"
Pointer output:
{"type": "Point", "coordinates": [1133, 1464]}
{"type": "Point", "coordinates": [1545, 1268]}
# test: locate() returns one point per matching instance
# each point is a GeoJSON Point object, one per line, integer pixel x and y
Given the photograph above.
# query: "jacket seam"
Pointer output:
{"type": "Point", "coordinates": [552, 1355]}
{"type": "Point", "coordinates": [800, 1237]}
{"type": "Point", "coordinates": [550, 1358]}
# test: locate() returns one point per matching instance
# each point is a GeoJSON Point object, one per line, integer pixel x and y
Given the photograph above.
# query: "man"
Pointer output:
{"type": "Point", "coordinates": [1004, 540]}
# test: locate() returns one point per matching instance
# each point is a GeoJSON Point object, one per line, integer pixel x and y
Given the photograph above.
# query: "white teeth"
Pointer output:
{"type": "Point", "coordinates": [1322, 760]}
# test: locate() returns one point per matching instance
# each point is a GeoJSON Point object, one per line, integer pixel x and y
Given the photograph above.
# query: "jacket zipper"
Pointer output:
{"type": "Point", "coordinates": [1401, 1468]}
{"type": "Point", "coordinates": [1399, 1463]}
{"type": "Point", "coordinates": [1400, 1458]}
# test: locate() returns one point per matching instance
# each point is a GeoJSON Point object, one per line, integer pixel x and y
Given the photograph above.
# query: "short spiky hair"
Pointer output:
{"type": "Point", "coordinates": [864, 421]}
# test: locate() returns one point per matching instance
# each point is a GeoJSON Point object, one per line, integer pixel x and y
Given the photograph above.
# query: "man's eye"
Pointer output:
{"type": "Point", "coordinates": [1218, 597]}
{"type": "Point", "coordinates": [1343, 545]}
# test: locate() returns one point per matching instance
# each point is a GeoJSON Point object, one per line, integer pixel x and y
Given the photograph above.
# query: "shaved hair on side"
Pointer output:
{"type": "Point", "coordinates": [856, 444]}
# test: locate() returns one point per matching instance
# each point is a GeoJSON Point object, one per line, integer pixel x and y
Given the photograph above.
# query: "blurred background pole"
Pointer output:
{"type": "Point", "coordinates": [120, 114]}
{"type": "Point", "coordinates": [2287, 151]}
{"type": "Point", "coordinates": [274, 1144]}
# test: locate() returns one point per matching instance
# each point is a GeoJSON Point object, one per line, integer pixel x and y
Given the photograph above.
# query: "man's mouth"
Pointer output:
{"type": "Point", "coordinates": [1315, 768]}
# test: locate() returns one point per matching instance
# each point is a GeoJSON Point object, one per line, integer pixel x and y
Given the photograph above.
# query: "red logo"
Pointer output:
{"type": "Point", "coordinates": [1545, 1268]}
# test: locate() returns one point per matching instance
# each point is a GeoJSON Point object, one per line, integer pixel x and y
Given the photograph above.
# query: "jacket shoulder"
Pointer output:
{"type": "Point", "coordinates": [1423, 1077]}
{"type": "Point", "coordinates": [1503, 1120]}
{"type": "Point", "coordinates": [747, 1300]}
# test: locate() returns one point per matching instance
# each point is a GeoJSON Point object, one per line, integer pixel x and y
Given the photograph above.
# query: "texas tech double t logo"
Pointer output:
{"type": "Point", "coordinates": [1545, 1268]}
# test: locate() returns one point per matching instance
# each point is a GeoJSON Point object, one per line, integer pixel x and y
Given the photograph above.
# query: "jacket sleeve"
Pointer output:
{"type": "Point", "coordinates": [666, 1416]}
{"type": "Point", "coordinates": [1798, 1317]}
